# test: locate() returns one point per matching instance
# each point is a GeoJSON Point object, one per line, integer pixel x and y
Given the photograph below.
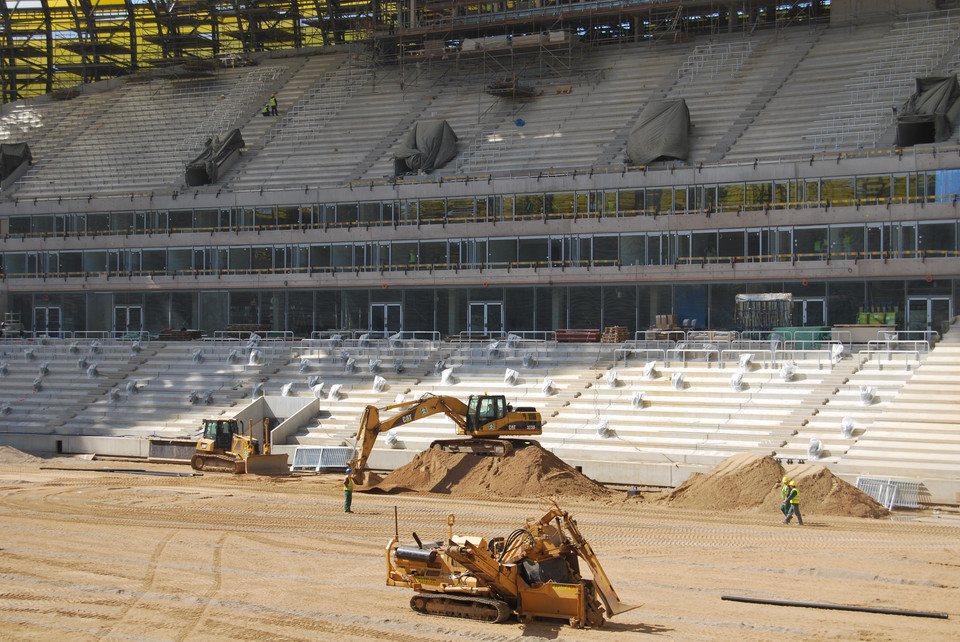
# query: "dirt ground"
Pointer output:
{"type": "Point", "coordinates": [89, 555]}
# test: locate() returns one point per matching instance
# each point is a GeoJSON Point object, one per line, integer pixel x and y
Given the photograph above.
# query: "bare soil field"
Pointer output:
{"type": "Point", "coordinates": [91, 555]}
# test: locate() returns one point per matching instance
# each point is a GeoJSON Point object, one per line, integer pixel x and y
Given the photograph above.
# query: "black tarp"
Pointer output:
{"type": "Point", "coordinates": [931, 113]}
{"type": "Point", "coordinates": [204, 169]}
{"type": "Point", "coordinates": [429, 145]}
{"type": "Point", "coordinates": [662, 132]}
{"type": "Point", "coordinates": [12, 156]}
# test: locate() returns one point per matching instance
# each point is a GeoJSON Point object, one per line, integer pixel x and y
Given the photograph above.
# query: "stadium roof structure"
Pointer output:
{"type": "Point", "coordinates": [52, 45]}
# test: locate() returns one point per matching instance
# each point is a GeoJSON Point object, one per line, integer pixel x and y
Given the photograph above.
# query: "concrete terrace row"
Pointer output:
{"type": "Point", "coordinates": [788, 93]}
{"type": "Point", "coordinates": [623, 420]}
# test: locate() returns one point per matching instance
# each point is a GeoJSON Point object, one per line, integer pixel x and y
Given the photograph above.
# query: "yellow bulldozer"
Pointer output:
{"type": "Point", "coordinates": [534, 572]}
{"type": "Point", "coordinates": [224, 448]}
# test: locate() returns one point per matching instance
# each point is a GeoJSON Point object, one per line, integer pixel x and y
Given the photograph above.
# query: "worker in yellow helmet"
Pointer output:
{"type": "Point", "coordinates": [273, 105]}
{"type": "Point", "coordinates": [793, 498]}
{"type": "Point", "coordinates": [784, 493]}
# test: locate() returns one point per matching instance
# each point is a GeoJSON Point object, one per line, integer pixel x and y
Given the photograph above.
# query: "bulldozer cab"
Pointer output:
{"type": "Point", "coordinates": [220, 432]}
{"type": "Point", "coordinates": [485, 408]}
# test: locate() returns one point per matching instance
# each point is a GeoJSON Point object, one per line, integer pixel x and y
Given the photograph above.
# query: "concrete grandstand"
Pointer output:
{"type": "Point", "coordinates": [795, 180]}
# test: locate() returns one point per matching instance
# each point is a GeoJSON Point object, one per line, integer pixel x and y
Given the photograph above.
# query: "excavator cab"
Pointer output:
{"type": "Point", "coordinates": [483, 409]}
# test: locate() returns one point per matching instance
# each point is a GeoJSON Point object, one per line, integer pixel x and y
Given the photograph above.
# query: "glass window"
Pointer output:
{"type": "Point", "coordinates": [532, 250]}
{"type": "Point", "coordinates": [846, 239]}
{"type": "Point", "coordinates": [633, 249]}
{"type": "Point", "coordinates": [606, 250]}
{"type": "Point", "coordinates": [502, 251]}
{"type": "Point", "coordinates": [529, 206]}
{"type": "Point", "coordinates": [181, 220]}
{"type": "Point", "coordinates": [179, 259]}
{"type": "Point", "coordinates": [94, 261]}
{"type": "Point", "coordinates": [756, 195]}
{"type": "Point", "coordinates": [433, 252]}
{"type": "Point", "coordinates": [369, 212]}
{"type": "Point", "coordinates": [460, 209]}
{"type": "Point", "coordinates": [659, 200]}
{"type": "Point", "coordinates": [347, 213]}
{"type": "Point", "coordinates": [730, 197]}
{"type": "Point", "coordinates": [288, 216]}
{"type": "Point", "coordinates": [939, 238]}
{"type": "Point", "coordinates": [631, 202]}
{"type": "Point", "coordinates": [839, 191]}
{"type": "Point", "coordinates": [873, 189]}
{"type": "Point", "coordinates": [97, 223]}
{"type": "Point", "coordinates": [432, 210]}
{"type": "Point", "coordinates": [559, 204]}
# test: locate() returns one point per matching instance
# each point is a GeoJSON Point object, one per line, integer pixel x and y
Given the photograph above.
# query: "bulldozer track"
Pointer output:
{"type": "Point", "coordinates": [213, 463]}
{"type": "Point", "coordinates": [485, 609]}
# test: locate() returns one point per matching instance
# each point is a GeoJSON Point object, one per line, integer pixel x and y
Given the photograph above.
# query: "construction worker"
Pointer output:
{"type": "Point", "coordinates": [266, 110]}
{"type": "Point", "coordinates": [784, 493]}
{"type": "Point", "coordinates": [347, 492]}
{"type": "Point", "coordinates": [273, 104]}
{"type": "Point", "coordinates": [794, 500]}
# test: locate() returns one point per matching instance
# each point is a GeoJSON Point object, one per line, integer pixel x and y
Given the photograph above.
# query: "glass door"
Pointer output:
{"type": "Point", "coordinates": [486, 318]}
{"type": "Point", "coordinates": [927, 315]}
{"type": "Point", "coordinates": [386, 318]}
{"type": "Point", "coordinates": [127, 318]}
{"type": "Point", "coordinates": [46, 321]}
{"type": "Point", "coordinates": [809, 312]}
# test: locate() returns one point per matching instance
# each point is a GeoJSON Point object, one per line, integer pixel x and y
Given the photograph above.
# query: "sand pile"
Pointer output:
{"type": "Point", "coordinates": [10, 455]}
{"type": "Point", "coordinates": [526, 472]}
{"type": "Point", "coordinates": [752, 482]}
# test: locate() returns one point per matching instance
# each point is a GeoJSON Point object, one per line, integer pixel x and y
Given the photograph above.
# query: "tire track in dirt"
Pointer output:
{"type": "Point", "coordinates": [196, 623]}
{"type": "Point", "coordinates": [145, 586]}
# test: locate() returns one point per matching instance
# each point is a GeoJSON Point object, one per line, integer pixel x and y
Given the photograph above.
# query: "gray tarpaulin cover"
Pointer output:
{"type": "Point", "coordinates": [429, 145]}
{"type": "Point", "coordinates": [204, 169]}
{"type": "Point", "coordinates": [662, 132]}
{"type": "Point", "coordinates": [12, 155]}
{"type": "Point", "coordinates": [931, 113]}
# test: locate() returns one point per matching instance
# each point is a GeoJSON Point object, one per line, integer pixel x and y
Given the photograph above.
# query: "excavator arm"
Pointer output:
{"type": "Point", "coordinates": [371, 426]}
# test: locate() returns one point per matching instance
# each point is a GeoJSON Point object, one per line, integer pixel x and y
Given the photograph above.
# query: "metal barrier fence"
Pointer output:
{"type": "Point", "coordinates": [892, 493]}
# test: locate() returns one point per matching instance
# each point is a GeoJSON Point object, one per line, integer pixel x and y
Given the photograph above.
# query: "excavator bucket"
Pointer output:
{"type": "Point", "coordinates": [268, 465]}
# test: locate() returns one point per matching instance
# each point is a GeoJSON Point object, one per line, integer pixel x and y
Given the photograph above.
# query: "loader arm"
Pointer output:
{"type": "Point", "coordinates": [371, 426]}
{"type": "Point", "coordinates": [600, 579]}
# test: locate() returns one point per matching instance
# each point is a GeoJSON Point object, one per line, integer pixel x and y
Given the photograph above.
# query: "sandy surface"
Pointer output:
{"type": "Point", "coordinates": [90, 555]}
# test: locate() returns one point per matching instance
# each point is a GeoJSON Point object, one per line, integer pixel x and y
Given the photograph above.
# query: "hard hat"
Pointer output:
{"type": "Point", "coordinates": [349, 471]}
{"type": "Point", "coordinates": [793, 483]}
{"type": "Point", "coordinates": [786, 480]}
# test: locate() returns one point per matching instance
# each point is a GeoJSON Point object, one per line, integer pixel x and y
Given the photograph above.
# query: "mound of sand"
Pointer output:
{"type": "Point", "coordinates": [10, 455]}
{"type": "Point", "coordinates": [752, 482]}
{"type": "Point", "coordinates": [526, 472]}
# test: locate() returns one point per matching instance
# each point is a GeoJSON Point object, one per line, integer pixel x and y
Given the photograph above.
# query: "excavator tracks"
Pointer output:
{"type": "Point", "coordinates": [493, 447]}
{"type": "Point", "coordinates": [485, 609]}
{"type": "Point", "coordinates": [217, 464]}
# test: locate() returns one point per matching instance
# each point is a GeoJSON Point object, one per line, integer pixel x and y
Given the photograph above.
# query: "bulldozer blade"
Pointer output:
{"type": "Point", "coordinates": [268, 465]}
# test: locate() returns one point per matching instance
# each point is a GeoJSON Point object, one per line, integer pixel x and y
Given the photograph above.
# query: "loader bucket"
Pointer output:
{"type": "Point", "coordinates": [268, 465]}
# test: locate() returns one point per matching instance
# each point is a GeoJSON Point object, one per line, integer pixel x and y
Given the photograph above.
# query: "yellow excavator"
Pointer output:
{"type": "Point", "coordinates": [224, 448]}
{"type": "Point", "coordinates": [483, 420]}
{"type": "Point", "coordinates": [534, 572]}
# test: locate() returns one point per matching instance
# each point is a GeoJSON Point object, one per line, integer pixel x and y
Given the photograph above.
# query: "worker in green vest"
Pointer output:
{"type": "Point", "coordinates": [347, 492]}
{"type": "Point", "coordinates": [793, 498]}
{"type": "Point", "coordinates": [784, 493]}
{"type": "Point", "coordinates": [273, 105]}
